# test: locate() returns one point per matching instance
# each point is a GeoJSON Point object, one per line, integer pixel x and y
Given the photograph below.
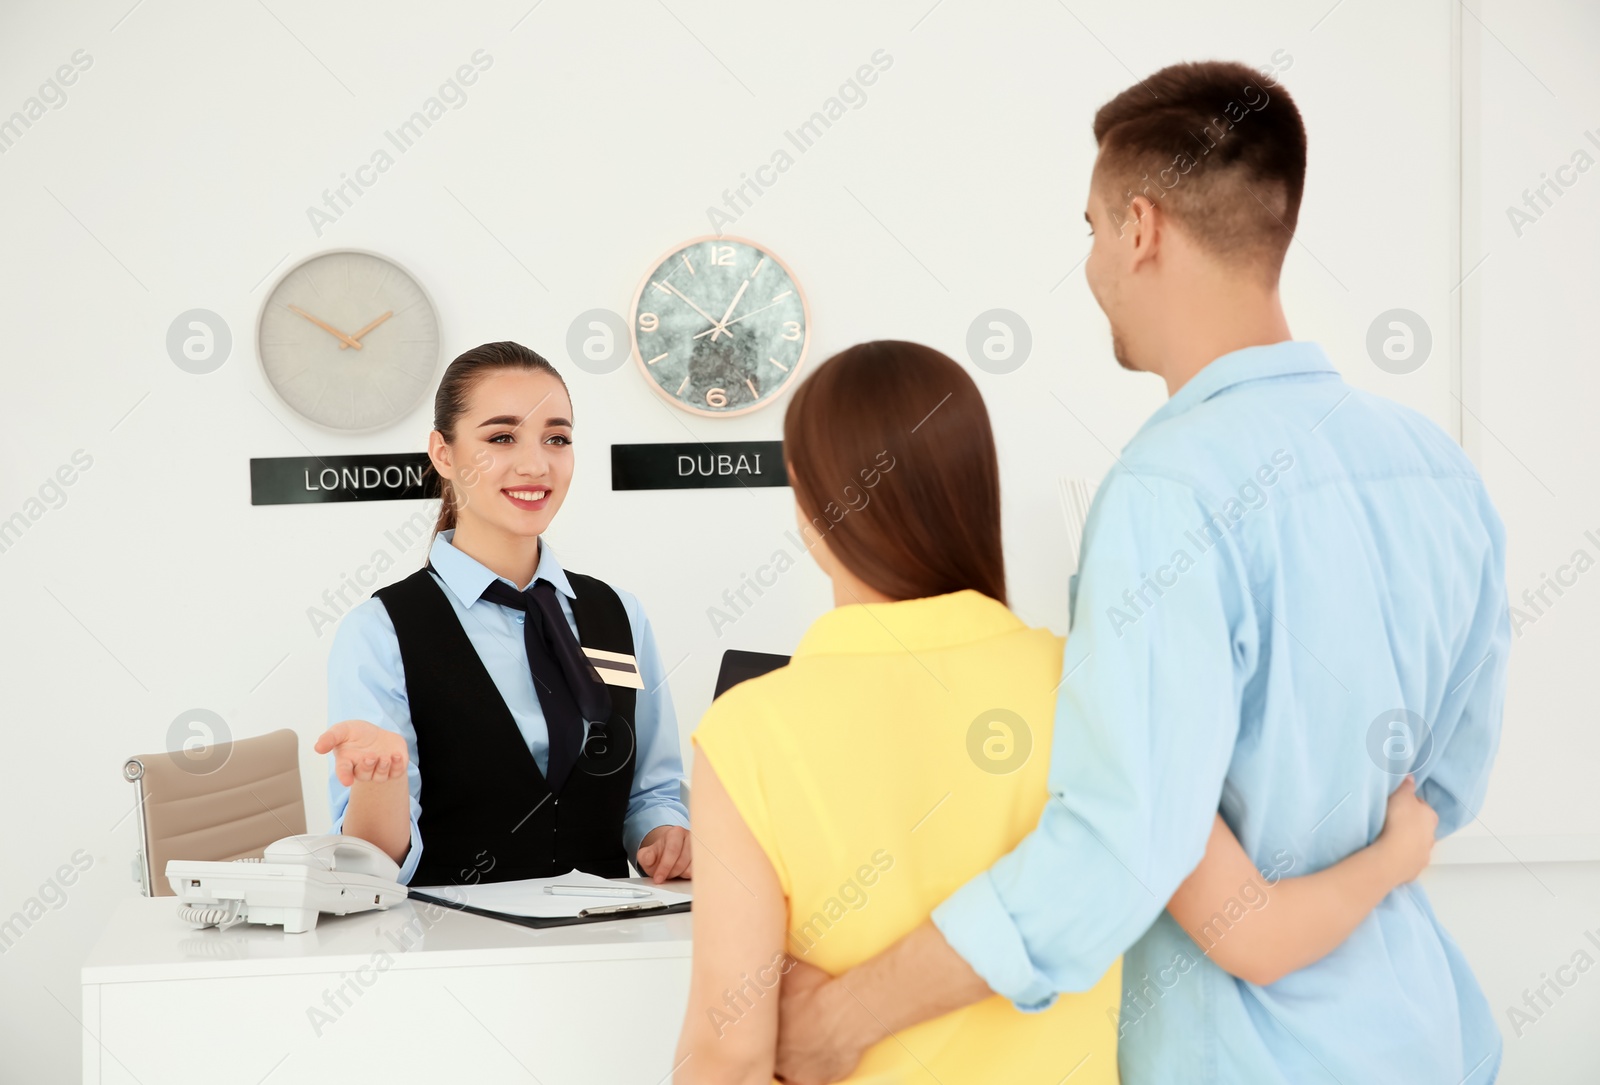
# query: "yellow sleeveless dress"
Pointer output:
{"type": "Point", "coordinates": [901, 752]}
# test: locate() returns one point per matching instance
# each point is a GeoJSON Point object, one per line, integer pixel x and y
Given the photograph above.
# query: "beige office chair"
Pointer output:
{"type": "Point", "coordinates": [221, 802]}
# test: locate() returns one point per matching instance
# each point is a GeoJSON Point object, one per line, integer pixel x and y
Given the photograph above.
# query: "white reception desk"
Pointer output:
{"type": "Point", "coordinates": [418, 993]}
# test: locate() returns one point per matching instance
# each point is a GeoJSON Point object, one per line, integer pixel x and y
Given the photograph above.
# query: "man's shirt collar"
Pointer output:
{"type": "Point", "coordinates": [1289, 358]}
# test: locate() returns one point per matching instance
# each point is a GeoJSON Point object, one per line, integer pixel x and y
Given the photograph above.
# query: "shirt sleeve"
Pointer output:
{"type": "Point", "coordinates": [366, 681]}
{"type": "Point", "coordinates": [1163, 639]}
{"type": "Point", "coordinates": [657, 797]}
{"type": "Point", "coordinates": [1466, 731]}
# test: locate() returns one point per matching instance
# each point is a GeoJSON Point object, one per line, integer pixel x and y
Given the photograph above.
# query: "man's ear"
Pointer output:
{"type": "Point", "coordinates": [1143, 231]}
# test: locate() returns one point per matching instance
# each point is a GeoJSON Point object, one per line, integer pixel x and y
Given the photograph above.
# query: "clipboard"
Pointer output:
{"type": "Point", "coordinates": [601, 914]}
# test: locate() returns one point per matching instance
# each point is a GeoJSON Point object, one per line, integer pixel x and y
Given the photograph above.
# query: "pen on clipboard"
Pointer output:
{"type": "Point", "coordinates": [624, 909]}
{"type": "Point", "coordinates": [596, 891]}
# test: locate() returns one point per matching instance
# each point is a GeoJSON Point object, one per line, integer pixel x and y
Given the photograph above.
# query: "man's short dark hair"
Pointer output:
{"type": "Point", "coordinates": [1219, 147]}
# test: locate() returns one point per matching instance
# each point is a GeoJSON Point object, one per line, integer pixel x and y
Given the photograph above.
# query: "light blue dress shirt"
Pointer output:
{"type": "Point", "coordinates": [366, 681]}
{"type": "Point", "coordinates": [1353, 570]}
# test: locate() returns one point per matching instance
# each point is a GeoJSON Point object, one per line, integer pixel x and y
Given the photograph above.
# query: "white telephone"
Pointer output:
{"type": "Point", "coordinates": [294, 881]}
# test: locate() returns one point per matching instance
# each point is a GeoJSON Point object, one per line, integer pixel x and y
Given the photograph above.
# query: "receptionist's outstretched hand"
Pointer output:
{"type": "Point", "coordinates": [665, 853]}
{"type": "Point", "coordinates": [364, 751]}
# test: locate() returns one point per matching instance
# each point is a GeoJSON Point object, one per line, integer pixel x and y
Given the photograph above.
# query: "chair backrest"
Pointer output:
{"type": "Point", "coordinates": [221, 802]}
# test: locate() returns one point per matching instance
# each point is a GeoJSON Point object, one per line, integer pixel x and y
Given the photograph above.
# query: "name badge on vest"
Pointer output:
{"type": "Point", "coordinates": [615, 668]}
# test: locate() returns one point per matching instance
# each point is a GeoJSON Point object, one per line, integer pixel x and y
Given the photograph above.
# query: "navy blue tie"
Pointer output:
{"type": "Point", "coordinates": [570, 690]}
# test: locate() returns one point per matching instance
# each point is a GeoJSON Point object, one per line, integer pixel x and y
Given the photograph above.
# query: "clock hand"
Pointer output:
{"type": "Point", "coordinates": [722, 325]}
{"type": "Point", "coordinates": [330, 329]}
{"type": "Point", "coordinates": [736, 319]}
{"type": "Point", "coordinates": [691, 304]}
{"type": "Point", "coordinates": [368, 328]}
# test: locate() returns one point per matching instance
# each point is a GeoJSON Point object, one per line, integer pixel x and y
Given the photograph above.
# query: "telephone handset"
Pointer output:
{"type": "Point", "coordinates": [295, 880]}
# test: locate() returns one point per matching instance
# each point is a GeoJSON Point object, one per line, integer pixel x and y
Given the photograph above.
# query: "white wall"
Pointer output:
{"type": "Point", "coordinates": [1529, 394]}
{"type": "Point", "coordinates": [177, 175]}
{"type": "Point", "coordinates": [1531, 390]}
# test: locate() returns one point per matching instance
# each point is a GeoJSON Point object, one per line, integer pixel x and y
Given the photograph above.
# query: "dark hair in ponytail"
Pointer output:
{"type": "Point", "coordinates": [450, 401]}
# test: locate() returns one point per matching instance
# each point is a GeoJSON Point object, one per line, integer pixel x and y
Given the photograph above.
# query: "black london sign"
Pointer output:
{"type": "Point", "coordinates": [308, 480]}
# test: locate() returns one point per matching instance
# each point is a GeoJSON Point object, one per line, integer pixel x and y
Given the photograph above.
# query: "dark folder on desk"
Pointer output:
{"type": "Point", "coordinates": [540, 922]}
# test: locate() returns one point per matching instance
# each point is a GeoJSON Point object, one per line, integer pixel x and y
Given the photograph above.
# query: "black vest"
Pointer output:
{"type": "Point", "coordinates": [488, 815]}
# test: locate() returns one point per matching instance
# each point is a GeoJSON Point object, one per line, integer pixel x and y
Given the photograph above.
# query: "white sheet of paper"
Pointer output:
{"type": "Point", "coordinates": [528, 898]}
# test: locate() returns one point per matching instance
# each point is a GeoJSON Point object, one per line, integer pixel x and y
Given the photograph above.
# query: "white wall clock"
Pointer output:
{"type": "Point", "coordinates": [349, 340]}
{"type": "Point", "coordinates": [720, 326]}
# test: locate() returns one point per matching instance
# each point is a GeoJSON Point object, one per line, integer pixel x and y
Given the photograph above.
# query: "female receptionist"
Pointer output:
{"type": "Point", "coordinates": [494, 716]}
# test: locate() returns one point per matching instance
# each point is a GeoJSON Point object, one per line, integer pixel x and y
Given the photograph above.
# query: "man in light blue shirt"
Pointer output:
{"type": "Point", "coordinates": [1291, 595]}
{"type": "Point", "coordinates": [366, 681]}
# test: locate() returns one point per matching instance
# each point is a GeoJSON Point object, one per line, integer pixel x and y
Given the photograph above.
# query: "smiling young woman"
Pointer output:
{"type": "Point", "coordinates": [534, 697]}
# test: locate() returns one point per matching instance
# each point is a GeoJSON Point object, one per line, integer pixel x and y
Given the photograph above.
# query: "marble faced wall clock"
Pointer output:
{"type": "Point", "coordinates": [720, 326]}
{"type": "Point", "coordinates": [349, 340]}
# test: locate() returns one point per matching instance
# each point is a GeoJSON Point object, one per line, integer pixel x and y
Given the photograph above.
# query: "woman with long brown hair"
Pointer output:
{"type": "Point", "coordinates": [533, 697]}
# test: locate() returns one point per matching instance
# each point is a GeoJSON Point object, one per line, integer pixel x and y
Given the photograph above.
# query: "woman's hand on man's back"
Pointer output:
{"type": "Point", "coordinates": [1407, 834]}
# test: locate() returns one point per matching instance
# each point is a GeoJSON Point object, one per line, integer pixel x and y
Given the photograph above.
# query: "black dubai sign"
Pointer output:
{"type": "Point", "coordinates": [311, 480]}
{"type": "Point", "coordinates": [696, 465]}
